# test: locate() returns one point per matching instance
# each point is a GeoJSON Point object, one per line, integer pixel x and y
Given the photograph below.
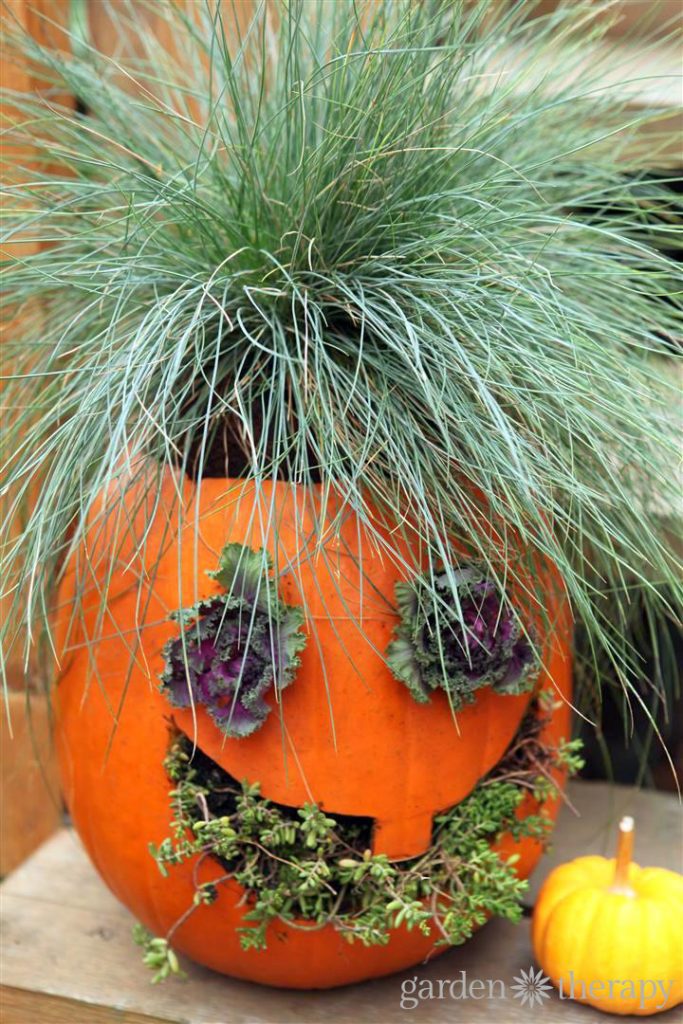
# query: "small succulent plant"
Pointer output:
{"type": "Point", "coordinates": [481, 643]}
{"type": "Point", "coordinates": [235, 646]}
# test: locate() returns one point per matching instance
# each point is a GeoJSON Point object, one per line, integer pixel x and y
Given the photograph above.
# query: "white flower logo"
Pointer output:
{"type": "Point", "coordinates": [531, 987]}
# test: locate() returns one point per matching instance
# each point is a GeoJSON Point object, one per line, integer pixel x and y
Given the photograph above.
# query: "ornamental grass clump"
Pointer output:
{"type": "Point", "coordinates": [346, 244]}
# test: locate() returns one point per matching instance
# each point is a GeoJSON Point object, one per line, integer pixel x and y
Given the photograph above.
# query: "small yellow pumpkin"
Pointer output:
{"type": "Point", "coordinates": [610, 933]}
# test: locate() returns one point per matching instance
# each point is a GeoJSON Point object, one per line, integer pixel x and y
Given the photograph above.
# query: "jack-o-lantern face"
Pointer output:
{"type": "Point", "coordinates": [350, 737]}
{"type": "Point", "coordinates": [347, 735]}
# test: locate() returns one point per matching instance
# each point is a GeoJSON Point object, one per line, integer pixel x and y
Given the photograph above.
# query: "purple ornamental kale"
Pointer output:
{"type": "Point", "coordinates": [235, 646]}
{"type": "Point", "coordinates": [434, 647]}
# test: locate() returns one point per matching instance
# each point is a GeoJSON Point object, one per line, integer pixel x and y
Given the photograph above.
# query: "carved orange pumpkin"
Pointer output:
{"type": "Point", "coordinates": [349, 736]}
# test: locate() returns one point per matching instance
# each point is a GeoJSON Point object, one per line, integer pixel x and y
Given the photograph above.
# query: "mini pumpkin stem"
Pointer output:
{"type": "Point", "coordinates": [624, 855]}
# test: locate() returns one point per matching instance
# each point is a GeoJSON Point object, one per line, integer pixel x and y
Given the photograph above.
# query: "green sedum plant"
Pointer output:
{"type": "Point", "coordinates": [310, 869]}
{"type": "Point", "coordinates": [157, 955]}
{"type": "Point", "coordinates": [346, 245]}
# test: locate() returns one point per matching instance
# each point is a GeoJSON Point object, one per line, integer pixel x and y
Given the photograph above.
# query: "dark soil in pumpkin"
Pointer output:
{"type": "Point", "coordinates": [227, 452]}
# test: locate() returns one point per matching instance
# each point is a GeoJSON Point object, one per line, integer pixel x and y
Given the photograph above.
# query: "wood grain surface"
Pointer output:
{"type": "Point", "coordinates": [30, 803]}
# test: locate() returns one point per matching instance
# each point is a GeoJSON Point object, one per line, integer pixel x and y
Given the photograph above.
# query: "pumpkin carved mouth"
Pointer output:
{"type": "Point", "coordinates": [221, 791]}
{"type": "Point", "coordinates": [312, 866]}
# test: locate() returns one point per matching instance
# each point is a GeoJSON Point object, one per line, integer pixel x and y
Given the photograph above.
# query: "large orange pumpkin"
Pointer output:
{"type": "Point", "coordinates": [348, 736]}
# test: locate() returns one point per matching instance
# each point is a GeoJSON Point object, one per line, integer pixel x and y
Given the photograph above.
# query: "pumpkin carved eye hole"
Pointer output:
{"type": "Point", "coordinates": [437, 646]}
{"type": "Point", "coordinates": [234, 647]}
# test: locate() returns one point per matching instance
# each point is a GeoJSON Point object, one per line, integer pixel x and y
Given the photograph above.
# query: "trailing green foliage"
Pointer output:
{"type": "Point", "coordinates": [346, 245]}
{"type": "Point", "coordinates": [157, 955]}
{"type": "Point", "coordinates": [311, 869]}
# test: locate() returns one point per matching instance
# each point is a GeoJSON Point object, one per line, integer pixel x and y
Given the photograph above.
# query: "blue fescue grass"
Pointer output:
{"type": "Point", "coordinates": [354, 232]}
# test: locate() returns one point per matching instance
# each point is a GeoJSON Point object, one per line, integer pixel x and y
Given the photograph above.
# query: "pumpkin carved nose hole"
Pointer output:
{"type": "Point", "coordinates": [401, 838]}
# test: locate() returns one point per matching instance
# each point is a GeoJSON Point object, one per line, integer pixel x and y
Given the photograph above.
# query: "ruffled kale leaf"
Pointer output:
{"type": "Point", "coordinates": [235, 646]}
{"type": "Point", "coordinates": [437, 645]}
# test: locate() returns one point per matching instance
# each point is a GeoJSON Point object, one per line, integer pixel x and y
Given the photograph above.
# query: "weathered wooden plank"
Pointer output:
{"type": "Point", "coordinates": [30, 803]}
{"type": "Point", "coordinates": [20, 1007]}
{"type": "Point", "coordinates": [66, 940]}
{"type": "Point", "coordinates": [87, 956]}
